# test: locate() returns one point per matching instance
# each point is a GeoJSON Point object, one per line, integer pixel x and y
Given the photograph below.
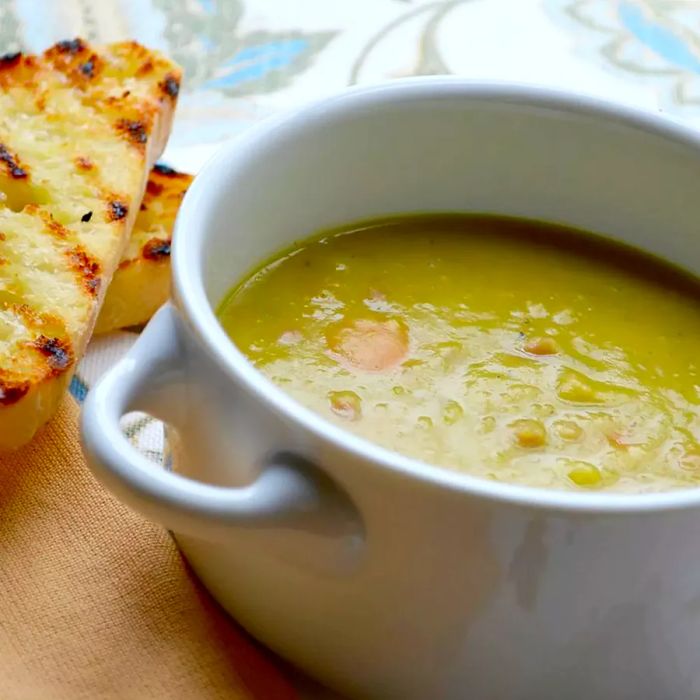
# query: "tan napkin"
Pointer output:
{"type": "Point", "coordinates": [97, 603]}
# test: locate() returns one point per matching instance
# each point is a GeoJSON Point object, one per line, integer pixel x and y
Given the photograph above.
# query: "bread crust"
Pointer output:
{"type": "Point", "coordinates": [141, 283]}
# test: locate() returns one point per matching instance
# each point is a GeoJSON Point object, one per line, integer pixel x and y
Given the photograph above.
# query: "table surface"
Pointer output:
{"type": "Point", "coordinates": [246, 59]}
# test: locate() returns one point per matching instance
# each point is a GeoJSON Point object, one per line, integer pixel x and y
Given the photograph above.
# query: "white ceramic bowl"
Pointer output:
{"type": "Point", "coordinates": [380, 575]}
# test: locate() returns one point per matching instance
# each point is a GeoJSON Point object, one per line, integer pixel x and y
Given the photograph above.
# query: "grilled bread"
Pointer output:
{"type": "Point", "coordinates": [141, 283]}
{"type": "Point", "coordinates": [80, 128]}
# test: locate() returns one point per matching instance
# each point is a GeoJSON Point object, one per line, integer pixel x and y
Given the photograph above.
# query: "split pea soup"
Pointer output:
{"type": "Point", "coordinates": [507, 349]}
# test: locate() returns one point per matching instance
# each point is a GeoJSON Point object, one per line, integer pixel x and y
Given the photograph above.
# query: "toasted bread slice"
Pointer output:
{"type": "Point", "coordinates": [80, 128]}
{"type": "Point", "coordinates": [141, 283]}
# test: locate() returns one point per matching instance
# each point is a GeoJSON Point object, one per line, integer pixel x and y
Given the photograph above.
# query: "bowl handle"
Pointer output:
{"type": "Point", "coordinates": [289, 492]}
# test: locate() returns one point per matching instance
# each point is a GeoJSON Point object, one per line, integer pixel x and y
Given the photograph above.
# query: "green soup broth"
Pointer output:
{"type": "Point", "coordinates": [511, 350]}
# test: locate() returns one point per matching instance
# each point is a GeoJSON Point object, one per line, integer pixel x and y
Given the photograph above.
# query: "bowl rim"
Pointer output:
{"type": "Point", "coordinates": [189, 294]}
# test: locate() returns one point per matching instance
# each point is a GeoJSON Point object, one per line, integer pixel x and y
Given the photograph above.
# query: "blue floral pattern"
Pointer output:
{"type": "Point", "coordinates": [207, 40]}
{"type": "Point", "coordinates": [654, 41]}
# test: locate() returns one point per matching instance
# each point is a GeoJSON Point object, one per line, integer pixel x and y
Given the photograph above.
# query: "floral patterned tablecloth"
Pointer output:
{"type": "Point", "coordinates": [245, 59]}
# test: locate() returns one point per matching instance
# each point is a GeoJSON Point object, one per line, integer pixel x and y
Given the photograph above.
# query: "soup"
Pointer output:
{"type": "Point", "coordinates": [507, 349]}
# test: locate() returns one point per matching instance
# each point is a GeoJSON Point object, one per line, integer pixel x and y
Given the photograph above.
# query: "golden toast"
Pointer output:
{"type": "Point", "coordinates": [141, 283]}
{"type": "Point", "coordinates": [80, 128]}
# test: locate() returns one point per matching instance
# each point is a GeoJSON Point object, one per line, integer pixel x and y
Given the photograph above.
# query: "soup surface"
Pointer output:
{"type": "Point", "coordinates": [512, 350]}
